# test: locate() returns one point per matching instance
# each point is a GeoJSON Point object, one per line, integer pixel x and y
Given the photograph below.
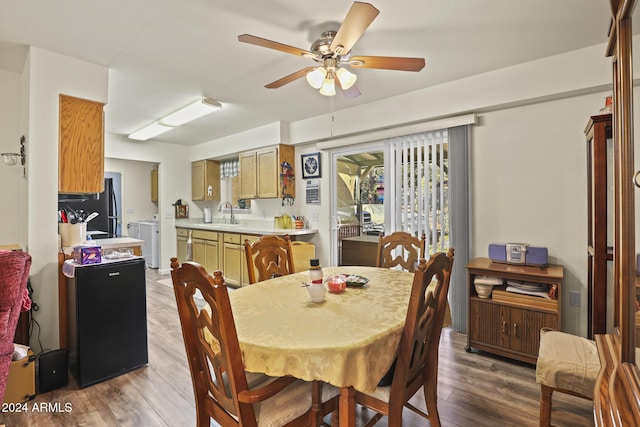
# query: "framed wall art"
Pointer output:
{"type": "Point", "coordinates": [311, 166]}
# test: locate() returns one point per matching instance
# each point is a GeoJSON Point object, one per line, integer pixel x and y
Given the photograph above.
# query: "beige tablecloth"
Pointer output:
{"type": "Point", "coordinates": [349, 339]}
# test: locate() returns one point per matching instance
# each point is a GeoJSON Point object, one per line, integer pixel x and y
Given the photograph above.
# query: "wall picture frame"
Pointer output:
{"type": "Point", "coordinates": [311, 166]}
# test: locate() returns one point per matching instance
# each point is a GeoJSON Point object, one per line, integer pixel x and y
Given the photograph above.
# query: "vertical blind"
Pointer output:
{"type": "Point", "coordinates": [421, 187]}
{"type": "Point", "coordinates": [431, 196]}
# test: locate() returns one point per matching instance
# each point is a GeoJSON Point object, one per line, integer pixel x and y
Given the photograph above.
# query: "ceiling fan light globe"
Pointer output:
{"type": "Point", "coordinates": [328, 87]}
{"type": "Point", "coordinates": [316, 77]}
{"type": "Point", "coordinates": [347, 79]}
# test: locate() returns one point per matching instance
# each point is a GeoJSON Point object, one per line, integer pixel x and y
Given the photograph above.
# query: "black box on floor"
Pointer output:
{"type": "Point", "coordinates": [52, 371]}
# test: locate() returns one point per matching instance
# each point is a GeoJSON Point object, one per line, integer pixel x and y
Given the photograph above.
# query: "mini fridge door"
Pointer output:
{"type": "Point", "coordinates": [107, 320]}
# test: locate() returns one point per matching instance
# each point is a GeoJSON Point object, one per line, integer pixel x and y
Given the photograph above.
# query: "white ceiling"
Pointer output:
{"type": "Point", "coordinates": [163, 54]}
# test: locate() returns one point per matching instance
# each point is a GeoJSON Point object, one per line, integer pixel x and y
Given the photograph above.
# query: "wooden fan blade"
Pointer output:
{"type": "Point", "coordinates": [387, 63]}
{"type": "Point", "coordinates": [288, 79]}
{"type": "Point", "coordinates": [258, 41]}
{"type": "Point", "coordinates": [359, 17]}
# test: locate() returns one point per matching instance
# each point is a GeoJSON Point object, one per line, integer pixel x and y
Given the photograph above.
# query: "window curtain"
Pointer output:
{"type": "Point", "coordinates": [229, 168]}
{"type": "Point", "coordinates": [431, 188]}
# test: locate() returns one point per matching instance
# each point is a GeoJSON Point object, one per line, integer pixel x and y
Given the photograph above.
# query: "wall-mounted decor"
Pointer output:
{"type": "Point", "coordinates": [311, 166]}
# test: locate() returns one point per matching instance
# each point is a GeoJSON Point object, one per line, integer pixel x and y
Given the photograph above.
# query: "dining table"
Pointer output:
{"type": "Point", "coordinates": [349, 340]}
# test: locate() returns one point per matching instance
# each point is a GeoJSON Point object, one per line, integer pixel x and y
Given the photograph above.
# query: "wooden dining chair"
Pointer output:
{"type": "Point", "coordinates": [223, 390]}
{"type": "Point", "coordinates": [417, 363]}
{"type": "Point", "coordinates": [400, 249]}
{"type": "Point", "coordinates": [269, 256]}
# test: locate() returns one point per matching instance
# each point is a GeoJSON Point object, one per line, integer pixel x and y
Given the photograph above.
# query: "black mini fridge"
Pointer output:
{"type": "Point", "coordinates": [107, 320]}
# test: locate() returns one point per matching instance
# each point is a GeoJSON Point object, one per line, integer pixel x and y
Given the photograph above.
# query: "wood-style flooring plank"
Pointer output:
{"type": "Point", "coordinates": [474, 389]}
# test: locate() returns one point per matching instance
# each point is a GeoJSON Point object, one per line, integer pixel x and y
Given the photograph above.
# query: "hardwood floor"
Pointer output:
{"type": "Point", "coordinates": [474, 389]}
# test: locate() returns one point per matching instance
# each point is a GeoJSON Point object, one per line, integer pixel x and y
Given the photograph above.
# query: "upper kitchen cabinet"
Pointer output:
{"type": "Point", "coordinates": [80, 146]}
{"type": "Point", "coordinates": [267, 173]}
{"type": "Point", "coordinates": [205, 180]}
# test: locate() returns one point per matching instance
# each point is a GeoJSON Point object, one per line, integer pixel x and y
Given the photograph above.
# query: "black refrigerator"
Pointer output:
{"type": "Point", "coordinates": [105, 225]}
{"type": "Point", "coordinates": [107, 320]}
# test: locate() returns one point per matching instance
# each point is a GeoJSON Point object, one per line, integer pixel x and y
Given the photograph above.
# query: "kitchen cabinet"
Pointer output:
{"type": "Point", "coordinates": [232, 254]}
{"type": "Point", "coordinates": [206, 249]}
{"type": "Point", "coordinates": [234, 260]}
{"type": "Point", "coordinates": [248, 181]}
{"type": "Point", "coordinates": [80, 146]}
{"type": "Point", "coordinates": [508, 324]}
{"type": "Point", "coordinates": [262, 175]}
{"type": "Point", "coordinates": [182, 235]}
{"type": "Point", "coordinates": [205, 180]}
{"type": "Point", "coordinates": [154, 185]}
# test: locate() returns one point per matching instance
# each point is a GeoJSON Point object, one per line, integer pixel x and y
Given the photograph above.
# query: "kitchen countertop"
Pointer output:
{"type": "Point", "coordinates": [113, 243]}
{"type": "Point", "coordinates": [248, 226]}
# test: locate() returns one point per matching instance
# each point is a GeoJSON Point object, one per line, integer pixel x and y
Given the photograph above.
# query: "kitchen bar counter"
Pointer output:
{"type": "Point", "coordinates": [114, 243]}
{"type": "Point", "coordinates": [259, 227]}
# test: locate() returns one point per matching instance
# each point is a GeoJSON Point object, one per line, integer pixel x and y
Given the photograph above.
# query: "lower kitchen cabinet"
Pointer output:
{"type": "Point", "coordinates": [216, 250]}
{"type": "Point", "coordinates": [182, 234]}
{"type": "Point", "coordinates": [506, 323]}
{"type": "Point", "coordinates": [206, 249]}
{"type": "Point", "coordinates": [232, 254]}
{"type": "Point", "coordinates": [234, 259]}
{"type": "Point", "coordinates": [245, 269]}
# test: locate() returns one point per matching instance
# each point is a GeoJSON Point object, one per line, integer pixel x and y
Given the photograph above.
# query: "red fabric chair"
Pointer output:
{"type": "Point", "coordinates": [14, 273]}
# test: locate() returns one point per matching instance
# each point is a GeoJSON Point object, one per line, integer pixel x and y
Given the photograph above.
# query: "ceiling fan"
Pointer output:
{"type": "Point", "coordinates": [333, 51]}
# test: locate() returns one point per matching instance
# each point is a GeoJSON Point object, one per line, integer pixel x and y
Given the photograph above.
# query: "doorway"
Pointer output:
{"type": "Point", "coordinates": [359, 207]}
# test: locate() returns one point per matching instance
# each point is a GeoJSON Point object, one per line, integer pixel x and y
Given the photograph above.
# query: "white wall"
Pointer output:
{"type": "Point", "coordinates": [13, 228]}
{"type": "Point", "coordinates": [530, 185]}
{"type": "Point", "coordinates": [49, 75]}
{"type": "Point", "coordinates": [174, 181]}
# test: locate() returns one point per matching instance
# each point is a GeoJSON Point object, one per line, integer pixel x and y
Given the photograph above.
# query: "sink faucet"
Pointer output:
{"type": "Point", "coordinates": [232, 220]}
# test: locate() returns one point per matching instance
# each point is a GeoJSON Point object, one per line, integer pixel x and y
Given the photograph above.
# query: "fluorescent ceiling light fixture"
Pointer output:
{"type": "Point", "coordinates": [192, 111]}
{"type": "Point", "coordinates": [201, 107]}
{"type": "Point", "coordinates": [150, 131]}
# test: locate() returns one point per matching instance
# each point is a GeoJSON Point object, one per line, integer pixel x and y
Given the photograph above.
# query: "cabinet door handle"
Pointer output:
{"type": "Point", "coordinates": [515, 329]}
{"type": "Point", "coordinates": [504, 327]}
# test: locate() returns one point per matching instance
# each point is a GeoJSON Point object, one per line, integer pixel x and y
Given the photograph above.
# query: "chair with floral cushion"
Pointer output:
{"type": "Point", "coordinates": [223, 390]}
{"type": "Point", "coordinates": [14, 274]}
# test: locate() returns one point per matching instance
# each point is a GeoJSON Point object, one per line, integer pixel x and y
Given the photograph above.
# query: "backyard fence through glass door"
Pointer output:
{"type": "Point", "coordinates": [422, 187]}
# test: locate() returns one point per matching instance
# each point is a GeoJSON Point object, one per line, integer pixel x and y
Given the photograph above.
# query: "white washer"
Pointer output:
{"type": "Point", "coordinates": [151, 248]}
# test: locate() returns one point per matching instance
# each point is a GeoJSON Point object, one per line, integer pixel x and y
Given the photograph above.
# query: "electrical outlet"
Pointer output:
{"type": "Point", "coordinates": [574, 298]}
{"type": "Point", "coordinates": [168, 214]}
{"type": "Point", "coordinates": [315, 217]}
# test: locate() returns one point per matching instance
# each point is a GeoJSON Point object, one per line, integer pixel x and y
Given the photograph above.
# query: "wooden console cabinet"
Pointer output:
{"type": "Point", "coordinates": [600, 218]}
{"type": "Point", "coordinates": [510, 326]}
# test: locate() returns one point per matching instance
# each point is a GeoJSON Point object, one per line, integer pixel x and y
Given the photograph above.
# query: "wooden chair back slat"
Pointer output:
{"type": "Point", "coordinates": [400, 249]}
{"type": "Point", "coordinates": [269, 256]}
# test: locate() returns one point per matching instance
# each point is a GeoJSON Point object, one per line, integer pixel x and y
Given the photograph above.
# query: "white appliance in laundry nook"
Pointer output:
{"type": "Point", "coordinates": [147, 231]}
